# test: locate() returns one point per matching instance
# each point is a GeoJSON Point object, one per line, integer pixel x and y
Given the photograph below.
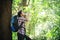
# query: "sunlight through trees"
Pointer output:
{"type": "Point", "coordinates": [44, 18]}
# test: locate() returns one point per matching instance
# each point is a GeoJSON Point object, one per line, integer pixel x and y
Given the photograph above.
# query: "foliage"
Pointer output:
{"type": "Point", "coordinates": [44, 16]}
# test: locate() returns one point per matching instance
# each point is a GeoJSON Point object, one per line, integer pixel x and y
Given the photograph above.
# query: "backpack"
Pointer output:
{"type": "Point", "coordinates": [14, 24]}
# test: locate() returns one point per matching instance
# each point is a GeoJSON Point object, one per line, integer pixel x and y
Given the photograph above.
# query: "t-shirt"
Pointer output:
{"type": "Point", "coordinates": [21, 20]}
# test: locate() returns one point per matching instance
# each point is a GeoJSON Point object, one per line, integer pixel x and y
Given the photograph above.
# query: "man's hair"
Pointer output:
{"type": "Point", "coordinates": [20, 12]}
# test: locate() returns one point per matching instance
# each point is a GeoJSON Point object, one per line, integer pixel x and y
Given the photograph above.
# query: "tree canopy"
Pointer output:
{"type": "Point", "coordinates": [44, 18]}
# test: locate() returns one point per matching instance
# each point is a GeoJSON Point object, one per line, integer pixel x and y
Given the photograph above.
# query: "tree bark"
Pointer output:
{"type": "Point", "coordinates": [5, 17]}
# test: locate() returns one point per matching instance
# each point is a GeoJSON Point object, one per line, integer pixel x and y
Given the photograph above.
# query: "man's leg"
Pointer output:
{"type": "Point", "coordinates": [20, 36]}
{"type": "Point", "coordinates": [27, 38]}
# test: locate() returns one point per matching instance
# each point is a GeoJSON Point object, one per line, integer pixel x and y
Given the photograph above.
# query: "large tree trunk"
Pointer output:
{"type": "Point", "coordinates": [5, 15]}
{"type": "Point", "coordinates": [0, 23]}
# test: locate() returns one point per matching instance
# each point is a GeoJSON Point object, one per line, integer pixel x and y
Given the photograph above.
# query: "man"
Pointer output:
{"type": "Point", "coordinates": [21, 30]}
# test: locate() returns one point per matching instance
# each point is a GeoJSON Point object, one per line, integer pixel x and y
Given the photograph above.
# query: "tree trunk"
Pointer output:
{"type": "Point", "coordinates": [24, 2]}
{"type": "Point", "coordinates": [5, 19]}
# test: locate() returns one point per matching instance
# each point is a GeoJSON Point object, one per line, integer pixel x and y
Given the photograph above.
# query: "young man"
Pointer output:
{"type": "Point", "coordinates": [21, 19]}
{"type": "Point", "coordinates": [21, 22]}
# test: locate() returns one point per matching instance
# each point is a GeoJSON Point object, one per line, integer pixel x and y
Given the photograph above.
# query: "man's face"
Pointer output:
{"type": "Point", "coordinates": [22, 14]}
